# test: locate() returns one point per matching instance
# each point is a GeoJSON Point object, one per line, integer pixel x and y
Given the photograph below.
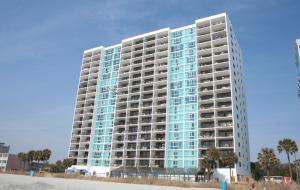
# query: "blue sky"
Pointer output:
{"type": "Point", "coordinates": [41, 45]}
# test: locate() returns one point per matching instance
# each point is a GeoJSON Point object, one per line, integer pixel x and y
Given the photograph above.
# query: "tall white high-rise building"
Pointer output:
{"type": "Point", "coordinates": [156, 102]}
{"type": "Point", "coordinates": [4, 153]}
{"type": "Point", "coordinates": [298, 62]}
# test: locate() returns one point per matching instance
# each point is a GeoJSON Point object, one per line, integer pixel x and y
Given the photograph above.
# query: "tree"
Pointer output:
{"type": "Point", "coordinates": [297, 166]}
{"type": "Point", "coordinates": [60, 166]}
{"type": "Point", "coordinates": [289, 147]}
{"type": "Point", "coordinates": [23, 157]}
{"type": "Point", "coordinates": [229, 159]}
{"type": "Point", "coordinates": [57, 167]}
{"type": "Point", "coordinates": [46, 154]}
{"type": "Point", "coordinates": [210, 160]}
{"type": "Point", "coordinates": [206, 164]}
{"type": "Point", "coordinates": [67, 163]}
{"type": "Point", "coordinates": [267, 159]}
{"type": "Point", "coordinates": [256, 171]}
{"type": "Point", "coordinates": [31, 156]}
{"type": "Point", "coordinates": [38, 156]}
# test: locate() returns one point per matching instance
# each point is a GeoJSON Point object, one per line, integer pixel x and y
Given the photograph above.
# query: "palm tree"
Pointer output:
{"type": "Point", "coordinates": [21, 156]}
{"type": "Point", "coordinates": [206, 164]}
{"type": "Point", "coordinates": [213, 155]}
{"type": "Point", "coordinates": [24, 158]}
{"type": "Point", "coordinates": [67, 163]}
{"type": "Point", "coordinates": [289, 147]}
{"type": "Point", "coordinates": [31, 155]}
{"type": "Point", "coordinates": [297, 166]}
{"type": "Point", "coordinates": [229, 159]}
{"type": "Point", "coordinates": [267, 159]}
{"type": "Point", "coordinates": [38, 156]}
{"type": "Point", "coordinates": [46, 154]}
{"type": "Point", "coordinates": [211, 159]}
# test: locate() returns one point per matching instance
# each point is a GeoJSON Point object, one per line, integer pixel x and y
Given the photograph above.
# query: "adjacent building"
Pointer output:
{"type": "Point", "coordinates": [14, 163]}
{"type": "Point", "coordinates": [298, 62]}
{"type": "Point", "coordinates": [4, 153]}
{"type": "Point", "coordinates": [156, 102]}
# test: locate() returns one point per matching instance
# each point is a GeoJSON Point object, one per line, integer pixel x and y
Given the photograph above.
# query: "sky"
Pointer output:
{"type": "Point", "coordinates": [42, 42]}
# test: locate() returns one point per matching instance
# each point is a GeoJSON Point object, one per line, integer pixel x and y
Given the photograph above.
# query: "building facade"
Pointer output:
{"type": "Point", "coordinates": [298, 63]}
{"type": "Point", "coordinates": [4, 153]}
{"type": "Point", "coordinates": [156, 102]}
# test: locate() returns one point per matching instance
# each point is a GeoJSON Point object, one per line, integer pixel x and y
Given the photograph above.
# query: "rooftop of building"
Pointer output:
{"type": "Point", "coordinates": [160, 30]}
{"type": "Point", "coordinates": [4, 148]}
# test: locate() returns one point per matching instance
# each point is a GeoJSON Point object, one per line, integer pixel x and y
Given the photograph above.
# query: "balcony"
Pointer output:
{"type": "Point", "coordinates": [146, 120]}
{"type": "Point", "coordinates": [159, 156]}
{"type": "Point", "coordinates": [207, 144]}
{"type": "Point", "coordinates": [225, 144]}
{"type": "Point", "coordinates": [146, 128]}
{"type": "Point", "coordinates": [161, 87]}
{"type": "Point", "coordinates": [130, 163]}
{"type": "Point", "coordinates": [148, 66]}
{"type": "Point", "coordinates": [135, 83]}
{"type": "Point", "coordinates": [207, 115]}
{"type": "Point", "coordinates": [222, 69]}
{"type": "Point", "coordinates": [135, 105]}
{"type": "Point", "coordinates": [120, 139]}
{"type": "Point", "coordinates": [223, 86]}
{"type": "Point", "coordinates": [120, 131]}
{"type": "Point", "coordinates": [161, 111]}
{"type": "Point", "coordinates": [135, 90]}
{"type": "Point", "coordinates": [205, 89]}
{"type": "Point", "coordinates": [224, 114]}
{"type": "Point", "coordinates": [221, 61]}
{"type": "Point", "coordinates": [137, 62]}
{"type": "Point", "coordinates": [150, 73]}
{"type": "Point", "coordinates": [147, 96]}
{"type": "Point", "coordinates": [206, 72]}
{"type": "Point", "coordinates": [207, 135]}
{"type": "Point", "coordinates": [160, 120]}
{"type": "Point", "coordinates": [148, 88]}
{"type": "Point", "coordinates": [206, 125]}
{"type": "Point", "coordinates": [227, 123]}
{"type": "Point", "coordinates": [135, 76]}
{"type": "Point", "coordinates": [225, 134]}
{"type": "Point", "coordinates": [132, 121]}
{"type": "Point", "coordinates": [138, 48]}
{"type": "Point", "coordinates": [137, 69]}
{"type": "Point", "coordinates": [134, 113]}
{"type": "Point", "coordinates": [149, 59]}
{"type": "Point", "coordinates": [146, 104]}
{"type": "Point", "coordinates": [146, 81]}
{"type": "Point", "coordinates": [206, 80]}
{"type": "Point", "coordinates": [147, 112]}
{"type": "Point", "coordinates": [224, 95]}
{"type": "Point", "coordinates": [132, 130]}
{"type": "Point", "coordinates": [222, 77]}
{"type": "Point", "coordinates": [145, 137]}
{"type": "Point", "coordinates": [159, 137]}
{"type": "Point", "coordinates": [131, 138]}
{"type": "Point", "coordinates": [121, 107]}
{"type": "Point", "coordinates": [207, 97]}
{"type": "Point", "coordinates": [207, 106]}
{"type": "Point", "coordinates": [224, 104]}
{"type": "Point", "coordinates": [218, 36]}
{"type": "Point", "coordinates": [161, 103]}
